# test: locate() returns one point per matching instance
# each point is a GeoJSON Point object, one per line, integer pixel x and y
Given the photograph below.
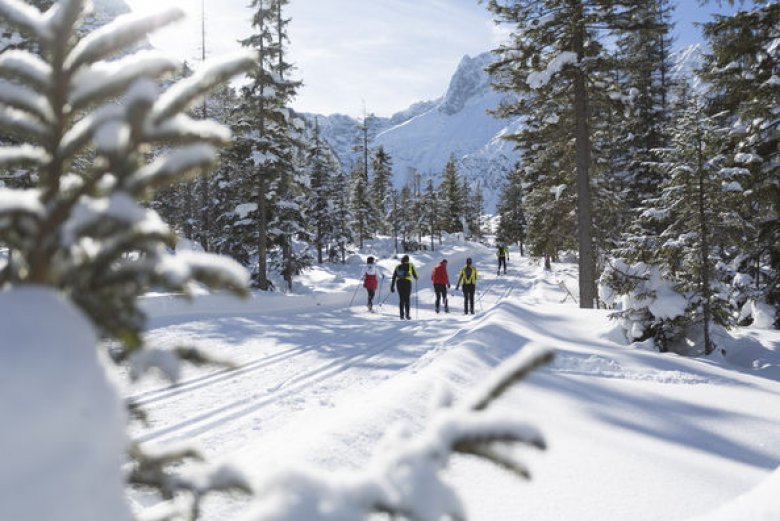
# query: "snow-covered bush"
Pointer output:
{"type": "Point", "coordinates": [647, 305]}
{"type": "Point", "coordinates": [405, 478]}
{"type": "Point", "coordinates": [85, 115]}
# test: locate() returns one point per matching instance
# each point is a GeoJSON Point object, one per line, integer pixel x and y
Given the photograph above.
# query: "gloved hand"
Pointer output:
{"type": "Point", "coordinates": [449, 286]}
{"type": "Point", "coordinates": [457, 288]}
{"type": "Point", "coordinates": [392, 289]}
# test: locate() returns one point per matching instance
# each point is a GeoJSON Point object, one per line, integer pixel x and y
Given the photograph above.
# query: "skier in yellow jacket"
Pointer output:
{"type": "Point", "coordinates": [468, 279]}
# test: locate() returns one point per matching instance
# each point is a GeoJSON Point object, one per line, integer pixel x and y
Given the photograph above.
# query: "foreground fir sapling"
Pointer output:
{"type": "Point", "coordinates": [86, 112]}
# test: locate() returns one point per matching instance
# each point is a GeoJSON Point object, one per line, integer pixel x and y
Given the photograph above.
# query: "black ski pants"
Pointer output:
{"type": "Point", "coordinates": [441, 295]}
{"type": "Point", "coordinates": [370, 297]}
{"type": "Point", "coordinates": [468, 297]}
{"type": "Point", "coordinates": [501, 260]}
{"type": "Point", "coordinates": [404, 296]}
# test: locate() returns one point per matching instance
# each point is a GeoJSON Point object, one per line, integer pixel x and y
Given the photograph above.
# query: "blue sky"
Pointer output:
{"type": "Point", "coordinates": [387, 54]}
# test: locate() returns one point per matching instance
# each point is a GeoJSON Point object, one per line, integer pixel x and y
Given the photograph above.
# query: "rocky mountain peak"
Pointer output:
{"type": "Point", "coordinates": [469, 80]}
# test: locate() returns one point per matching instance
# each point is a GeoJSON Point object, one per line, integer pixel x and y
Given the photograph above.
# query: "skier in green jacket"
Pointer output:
{"type": "Point", "coordinates": [503, 255]}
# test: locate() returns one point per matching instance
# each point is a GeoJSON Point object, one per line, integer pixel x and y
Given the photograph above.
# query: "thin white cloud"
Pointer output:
{"type": "Point", "coordinates": [391, 53]}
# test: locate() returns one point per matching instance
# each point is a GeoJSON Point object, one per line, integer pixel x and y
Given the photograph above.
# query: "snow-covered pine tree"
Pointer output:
{"type": "Point", "coordinates": [287, 219]}
{"type": "Point", "coordinates": [405, 215]}
{"type": "Point", "coordinates": [451, 193]}
{"type": "Point", "coordinates": [360, 200]}
{"type": "Point", "coordinates": [395, 202]}
{"type": "Point", "coordinates": [549, 201]}
{"type": "Point", "coordinates": [431, 209]}
{"type": "Point", "coordinates": [691, 213]}
{"type": "Point", "coordinates": [418, 208]}
{"type": "Point", "coordinates": [512, 223]}
{"type": "Point", "coordinates": [366, 218]}
{"type": "Point", "coordinates": [610, 106]}
{"type": "Point", "coordinates": [261, 133]}
{"type": "Point", "coordinates": [322, 168]}
{"type": "Point", "coordinates": [482, 223]}
{"type": "Point", "coordinates": [344, 232]}
{"type": "Point", "coordinates": [552, 53]}
{"type": "Point", "coordinates": [743, 69]}
{"type": "Point", "coordinates": [82, 230]}
{"type": "Point", "coordinates": [223, 181]}
{"type": "Point", "coordinates": [381, 184]}
{"type": "Point", "coordinates": [643, 61]}
{"type": "Point", "coordinates": [235, 216]}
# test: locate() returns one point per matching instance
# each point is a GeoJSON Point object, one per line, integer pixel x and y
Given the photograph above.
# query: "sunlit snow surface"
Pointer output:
{"type": "Point", "coordinates": [632, 434]}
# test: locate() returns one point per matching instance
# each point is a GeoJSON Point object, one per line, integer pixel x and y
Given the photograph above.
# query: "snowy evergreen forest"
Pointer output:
{"type": "Point", "coordinates": [125, 175]}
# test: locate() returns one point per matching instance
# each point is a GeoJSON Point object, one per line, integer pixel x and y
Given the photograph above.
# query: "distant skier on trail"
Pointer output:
{"type": "Point", "coordinates": [370, 281]}
{"type": "Point", "coordinates": [468, 279]}
{"type": "Point", "coordinates": [503, 255]}
{"type": "Point", "coordinates": [402, 276]}
{"type": "Point", "coordinates": [441, 281]}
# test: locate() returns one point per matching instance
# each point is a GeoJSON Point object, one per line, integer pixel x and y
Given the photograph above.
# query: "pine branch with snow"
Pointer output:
{"type": "Point", "coordinates": [405, 478]}
{"type": "Point", "coordinates": [89, 235]}
{"type": "Point", "coordinates": [86, 121]}
{"type": "Point", "coordinates": [152, 468]}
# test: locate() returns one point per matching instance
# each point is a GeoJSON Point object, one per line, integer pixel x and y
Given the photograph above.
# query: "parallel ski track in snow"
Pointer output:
{"type": "Point", "coordinates": [237, 409]}
{"type": "Point", "coordinates": [185, 386]}
{"type": "Point", "coordinates": [219, 416]}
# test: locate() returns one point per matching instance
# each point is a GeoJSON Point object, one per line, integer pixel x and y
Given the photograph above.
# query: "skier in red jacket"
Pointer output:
{"type": "Point", "coordinates": [441, 281]}
{"type": "Point", "coordinates": [370, 282]}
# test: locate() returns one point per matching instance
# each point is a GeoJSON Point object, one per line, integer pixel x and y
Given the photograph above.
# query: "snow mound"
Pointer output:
{"type": "Point", "coordinates": [64, 435]}
{"type": "Point", "coordinates": [760, 504]}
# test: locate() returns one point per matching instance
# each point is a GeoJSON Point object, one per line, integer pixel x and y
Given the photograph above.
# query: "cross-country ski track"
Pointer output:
{"type": "Point", "coordinates": [300, 371]}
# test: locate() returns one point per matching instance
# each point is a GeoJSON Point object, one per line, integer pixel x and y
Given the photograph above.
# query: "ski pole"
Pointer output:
{"type": "Point", "coordinates": [355, 293]}
{"type": "Point", "coordinates": [416, 302]}
{"type": "Point", "coordinates": [379, 294]}
{"type": "Point", "coordinates": [385, 300]}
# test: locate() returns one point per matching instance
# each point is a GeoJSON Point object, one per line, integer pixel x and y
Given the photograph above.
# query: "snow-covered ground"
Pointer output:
{"type": "Point", "coordinates": [632, 434]}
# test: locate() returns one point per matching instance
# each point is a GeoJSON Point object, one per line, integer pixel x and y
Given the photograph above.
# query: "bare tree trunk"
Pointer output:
{"type": "Point", "coordinates": [287, 256]}
{"type": "Point", "coordinates": [587, 270]}
{"type": "Point", "coordinates": [262, 233]}
{"type": "Point", "coordinates": [395, 224]}
{"type": "Point", "coordinates": [704, 245]}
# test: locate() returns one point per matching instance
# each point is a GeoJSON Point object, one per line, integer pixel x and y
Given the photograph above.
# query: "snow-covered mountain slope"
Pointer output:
{"type": "Point", "coordinates": [458, 125]}
{"type": "Point", "coordinates": [423, 137]}
{"type": "Point", "coordinates": [685, 63]}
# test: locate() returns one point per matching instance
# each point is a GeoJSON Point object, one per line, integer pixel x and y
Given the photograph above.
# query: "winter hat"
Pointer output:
{"type": "Point", "coordinates": [405, 258]}
{"type": "Point", "coordinates": [468, 261]}
{"type": "Point", "coordinates": [370, 260]}
{"type": "Point", "coordinates": [444, 261]}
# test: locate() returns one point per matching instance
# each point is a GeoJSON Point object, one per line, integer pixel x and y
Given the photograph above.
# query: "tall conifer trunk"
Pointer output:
{"type": "Point", "coordinates": [704, 242]}
{"type": "Point", "coordinates": [587, 271]}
